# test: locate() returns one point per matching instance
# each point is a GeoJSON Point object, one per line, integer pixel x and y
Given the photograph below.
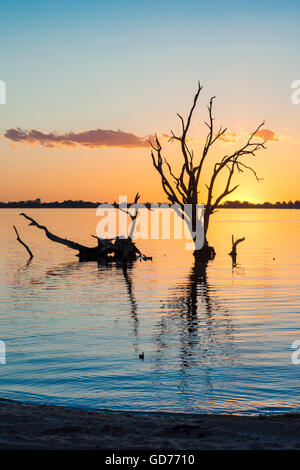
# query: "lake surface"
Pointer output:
{"type": "Point", "coordinates": [215, 340]}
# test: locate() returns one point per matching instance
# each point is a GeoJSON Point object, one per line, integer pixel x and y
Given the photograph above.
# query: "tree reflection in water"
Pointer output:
{"type": "Point", "coordinates": [196, 330]}
{"type": "Point", "coordinates": [29, 284]}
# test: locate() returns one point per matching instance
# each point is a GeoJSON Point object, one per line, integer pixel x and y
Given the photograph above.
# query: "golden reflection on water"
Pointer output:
{"type": "Point", "coordinates": [216, 337]}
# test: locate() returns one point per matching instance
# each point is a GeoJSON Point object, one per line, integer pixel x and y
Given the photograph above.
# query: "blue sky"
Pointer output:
{"type": "Point", "coordinates": [72, 66]}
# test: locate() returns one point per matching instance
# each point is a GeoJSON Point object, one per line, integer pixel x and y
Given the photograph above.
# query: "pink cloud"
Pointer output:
{"type": "Point", "coordinates": [96, 138]}
{"type": "Point", "coordinates": [267, 134]}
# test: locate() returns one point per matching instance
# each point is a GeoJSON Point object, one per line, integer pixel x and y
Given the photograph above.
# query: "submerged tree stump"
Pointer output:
{"type": "Point", "coordinates": [205, 254]}
{"type": "Point", "coordinates": [233, 252]}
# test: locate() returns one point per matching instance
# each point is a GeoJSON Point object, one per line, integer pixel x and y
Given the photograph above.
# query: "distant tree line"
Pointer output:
{"type": "Point", "coordinates": [263, 205]}
{"type": "Point", "coordinates": [38, 204]}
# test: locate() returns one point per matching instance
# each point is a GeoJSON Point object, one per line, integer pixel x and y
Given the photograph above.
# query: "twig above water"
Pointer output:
{"type": "Point", "coordinates": [22, 243]}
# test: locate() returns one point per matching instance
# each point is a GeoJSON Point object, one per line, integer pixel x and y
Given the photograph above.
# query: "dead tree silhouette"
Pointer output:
{"type": "Point", "coordinates": [185, 188]}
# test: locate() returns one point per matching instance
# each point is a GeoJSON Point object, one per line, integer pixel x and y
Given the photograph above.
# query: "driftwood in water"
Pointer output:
{"type": "Point", "coordinates": [233, 252]}
{"type": "Point", "coordinates": [117, 249]}
{"type": "Point", "coordinates": [24, 244]}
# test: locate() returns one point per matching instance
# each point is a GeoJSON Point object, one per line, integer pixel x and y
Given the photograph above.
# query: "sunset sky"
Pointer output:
{"type": "Point", "coordinates": [88, 82]}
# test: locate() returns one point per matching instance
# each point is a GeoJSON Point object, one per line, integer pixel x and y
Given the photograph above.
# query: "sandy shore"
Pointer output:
{"type": "Point", "coordinates": [24, 426]}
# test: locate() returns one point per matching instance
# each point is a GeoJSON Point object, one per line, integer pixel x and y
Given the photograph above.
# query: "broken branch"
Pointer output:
{"type": "Point", "coordinates": [24, 244]}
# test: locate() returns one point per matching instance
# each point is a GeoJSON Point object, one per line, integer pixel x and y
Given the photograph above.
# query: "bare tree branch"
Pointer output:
{"type": "Point", "coordinates": [55, 238]}
{"type": "Point", "coordinates": [24, 244]}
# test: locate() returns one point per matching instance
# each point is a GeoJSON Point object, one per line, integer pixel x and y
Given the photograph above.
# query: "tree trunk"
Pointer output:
{"type": "Point", "coordinates": [207, 252]}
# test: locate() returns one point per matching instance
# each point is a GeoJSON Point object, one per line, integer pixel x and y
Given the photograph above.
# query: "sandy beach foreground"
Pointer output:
{"type": "Point", "coordinates": [25, 426]}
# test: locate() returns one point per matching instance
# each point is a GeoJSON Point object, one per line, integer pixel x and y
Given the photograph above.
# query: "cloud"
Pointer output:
{"type": "Point", "coordinates": [96, 138]}
{"type": "Point", "coordinates": [267, 134]}
{"type": "Point", "coordinates": [229, 137]}
{"type": "Point", "coordinates": [264, 134]}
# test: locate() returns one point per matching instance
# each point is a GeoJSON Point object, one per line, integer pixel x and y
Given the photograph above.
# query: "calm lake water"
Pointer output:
{"type": "Point", "coordinates": [216, 340]}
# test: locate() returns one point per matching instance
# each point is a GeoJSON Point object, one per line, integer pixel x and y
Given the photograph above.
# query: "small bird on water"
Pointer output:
{"type": "Point", "coordinates": [141, 356]}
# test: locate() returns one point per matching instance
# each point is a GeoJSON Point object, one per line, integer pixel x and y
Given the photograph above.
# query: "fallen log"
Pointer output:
{"type": "Point", "coordinates": [118, 249]}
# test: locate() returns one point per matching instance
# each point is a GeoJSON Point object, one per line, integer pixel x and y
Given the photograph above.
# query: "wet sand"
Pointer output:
{"type": "Point", "coordinates": [24, 426]}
